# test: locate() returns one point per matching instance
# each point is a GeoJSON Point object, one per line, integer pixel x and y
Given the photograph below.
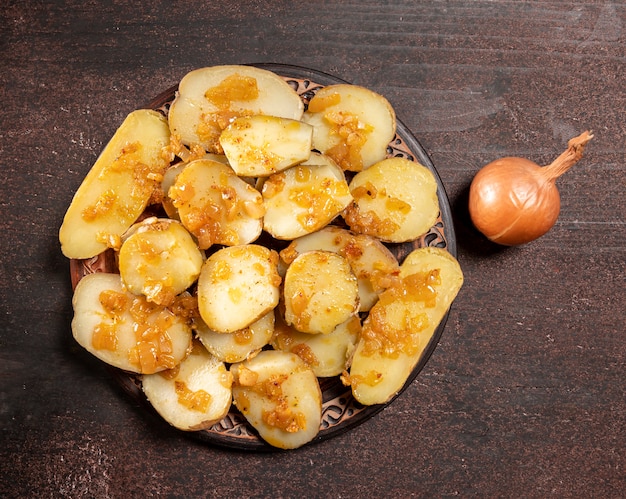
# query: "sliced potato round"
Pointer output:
{"type": "Point", "coordinates": [395, 200]}
{"type": "Point", "coordinates": [371, 261]}
{"type": "Point", "coordinates": [215, 205]}
{"type": "Point", "coordinates": [320, 292]}
{"type": "Point", "coordinates": [326, 354]}
{"type": "Point", "coordinates": [169, 178]}
{"type": "Point", "coordinates": [258, 146]}
{"type": "Point", "coordinates": [194, 395]}
{"type": "Point", "coordinates": [351, 124]}
{"type": "Point", "coordinates": [118, 187]}
{"type": "Point", "coordinates": [208, 99]}
{"type": "Point", "coordinates": [237, 286]}
{"type": "Point", "coordinates": [401, 324]}
{"type": "Point", "coordinates": [238, 345]}
{"type": "Point", "coordinates": [159, 260]}
{"type": "Point", "coordinates": [280, 397]}
{"type": "Point", "coordinates": [125, 330]}
{"type": "Point", "coordinates": [303, 199]}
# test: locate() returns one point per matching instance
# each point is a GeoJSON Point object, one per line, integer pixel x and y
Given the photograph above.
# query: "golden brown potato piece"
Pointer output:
{"type": "Point", "coordinates": [303, 199]}
{"type": "Point", "coordinates": [351, 124]}
{"type": "Point", "coordinates": [118, 187]}
{"type": "Point", "coordinates": [326, 354]}
{"type": "Point", "coordinates": [320, 292]}
{"type": "Point", "coordinates": [209, 98]}
{"type": "Point", "coordinates": [395, 200]}
{"type": "Point", "coordinates": [258, 146]}
{"type": "Point", "coordinates": [280, 397]}
{"type": "Point", "coordinates": [237, 286]}
{"type": "Point", "coordinates": [194, 395]}
{"type": "Point", "coordinates": [169, 178]}
{"type": "Point", "coordinates": [215, 205]}
{"type": "Point", "coordinates": [159, 259]}
{"type": "Point", "coordinates": [401, 324]}
{"type": "Point", "coordinates": [370, 260]}
{"type": "Point", "coordinates": [238, 345]}
{"type": "Point", "coordinates": [125, 330]}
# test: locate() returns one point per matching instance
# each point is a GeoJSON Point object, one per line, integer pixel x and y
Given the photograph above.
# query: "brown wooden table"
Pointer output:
{"type": "Point", "coordinates": [525, 394]}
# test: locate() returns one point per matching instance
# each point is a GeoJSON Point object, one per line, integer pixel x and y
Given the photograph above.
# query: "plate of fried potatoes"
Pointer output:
{"type": "Point", "coordinates": [264, 256]}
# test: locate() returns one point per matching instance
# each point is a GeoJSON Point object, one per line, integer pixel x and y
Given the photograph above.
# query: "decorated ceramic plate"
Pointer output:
{"type": "Point", "coordinates": [340, 411]}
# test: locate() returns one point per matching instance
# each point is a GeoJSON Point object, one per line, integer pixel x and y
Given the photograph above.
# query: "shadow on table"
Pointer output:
{"type": "Point", "coordinates": [468, 238]}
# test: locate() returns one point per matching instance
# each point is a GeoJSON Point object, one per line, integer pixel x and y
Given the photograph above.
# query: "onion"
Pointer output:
{"type": "Point", "coordinates": [514, 201]}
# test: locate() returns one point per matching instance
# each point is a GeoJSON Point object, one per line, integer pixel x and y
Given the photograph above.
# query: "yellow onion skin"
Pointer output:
{"type": "Point", "coordinates": [512, 201]}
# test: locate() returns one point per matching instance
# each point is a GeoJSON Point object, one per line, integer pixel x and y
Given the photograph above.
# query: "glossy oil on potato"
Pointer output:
{"type": "Point", "coordinates": [400, 325]}
{"type": "Point", "coordinates": [159, 260]}
{"type": "Point", "coordinates": [320, 292]}
{"type": "Point", "coordinates": [215, 205]}
{"type": "Point", "coordinates": [209, 98]}
{"type": "Point", "coordinates": [238, 345]}
{"type": "Point", "coordinates": [258, 146]}
{"type": "Point", "coordinates": [372, 262]}
{"type": "Point", "coordinates": [125, 330]}
{"type": "Point", "coordinates": [326, 354]}
{"type": "Point", "coordinates": [280, 397]}
{"type": "Point", "coordinates": [194, 395]}
{"type": "Point", "coordinates": [352, 124]}
{"type": "Point", "coordinates": [395, 200]}
{"type": "Point", "coordinates": [237, 286]}
{"type": "Point", "coordinates": [303, 199]}
{"type": "Point", "coordinates": [118, 187]}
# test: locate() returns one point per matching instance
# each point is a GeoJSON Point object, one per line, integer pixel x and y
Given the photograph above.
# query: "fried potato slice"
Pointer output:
{"type": "Point", "coordinates": [237, 286]}
{"type": "Point", "coordinates": [371, 261]}
{"type": "Point", "coordinates": [238, 345]}
{"type": "Point", "coordinates": [320, 292]}
{"type": "Point", "coordinates": [326, 354]}
{"type": "Point", "coordinates": [280, 397]}
{"type": "Point", "coordinates": [194, 395]}
{"type": "Point", "coordinates": [395, 200]}
{"type": "Point", "coordinates": [401, 324]}
{"type": "Point", "coordinates": [169, 178]}
{"type": "Point", "coordinates": [118, 186]}
{"type": "Point", "coordinates": [215, 205]}
{"type": "Point", "coordinates": [125, 330]}
{"type": "Point", "coordinates": [159, 259]}
{"type": "Point", "coordinates": [351, 124]}
{"type": "Point", "coordinates": [303, 199]}
{"type": "Point", "coordinates": [258, 146]}
{"type": "Point", "coordinates": [208, 99]}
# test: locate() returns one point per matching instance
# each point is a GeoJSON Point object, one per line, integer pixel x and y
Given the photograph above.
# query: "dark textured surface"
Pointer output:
{"type": "Point", "coordinates": [525, 395]}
